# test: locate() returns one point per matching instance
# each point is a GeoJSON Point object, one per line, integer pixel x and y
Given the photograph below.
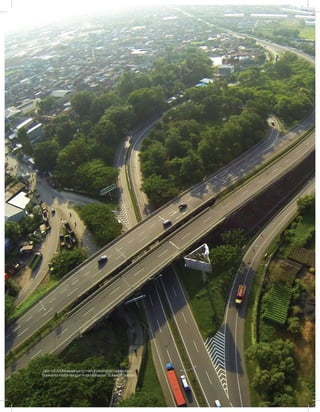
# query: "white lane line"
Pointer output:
{"type": "Point", "coordinates": [21, 333]}
{"type": "Point", "coordinates": [139, 271]}
{"type": "Point", "coordinates": [75, 281]}
{"type": "Point", "coordinates": [195, 345]}
{"type": "Point", "coordinates": [87, 273]}
{"type": "Point", "coordinates": [69, 294]}
{"type": "Point", "coordinates": [114, 291]}
{"type": "Point", "coordinates": [64, 290]}
{"type": "Point", "coordinates": [159, 326]}
{"type": "Point", "coordinates": [36, 354]}
{"type": "Point", "coordinates": [163, 253]}
{"type": "Point", "coordinates": [208, 378]}
{"type": "Point", "coordinates": [184, 318]}
{"type": "Point", "coordinates": [151, 301]}
{"type": "Point", "coordinates": [186, 235]}
{"type": "Point", "coordinates": [47, 311]}
{"type": "Point", "coordinates": [174, 291]}
{"type": "Point", "coordinates": [244, 193]}
{"type": "Point", "coordinates": [85, 314]}
{"type": "Point", "coordinates": [171, 243]}
{"type": "Point", "coordinates": [131, 240]}
{"type": "Point", "coordinates": [18, 327]}
{"type": "Point", "coordinates": [119, 251]}
{"type": "Point", "coordinates": [51, 300]}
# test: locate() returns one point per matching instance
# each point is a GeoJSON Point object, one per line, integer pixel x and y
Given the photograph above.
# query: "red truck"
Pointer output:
{"type": "Point", "coordinates": [175, 386]}
{"type": "Point", "coordinates": [240, 294]}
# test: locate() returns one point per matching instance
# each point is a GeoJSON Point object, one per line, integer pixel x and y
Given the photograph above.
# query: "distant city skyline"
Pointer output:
{"type": "Point", "coordinates": [22, 13]}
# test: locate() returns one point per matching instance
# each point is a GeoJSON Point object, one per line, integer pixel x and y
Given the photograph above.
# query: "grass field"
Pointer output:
{"type": "Point", "coordinates": [207, 300]}
{"type": "Point", "coordinates": [268, 28]}
{"type": "Point", "coordinates": [150, 382]}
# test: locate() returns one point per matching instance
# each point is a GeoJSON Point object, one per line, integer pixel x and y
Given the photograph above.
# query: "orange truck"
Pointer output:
{"type": "Point", "coordinates": [175, 386]}
{"type": "Point", "coordinates": [240, 294]}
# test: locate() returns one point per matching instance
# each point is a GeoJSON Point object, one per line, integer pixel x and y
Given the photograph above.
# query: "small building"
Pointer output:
{"type": "Point", "coordinates": [226, 69]}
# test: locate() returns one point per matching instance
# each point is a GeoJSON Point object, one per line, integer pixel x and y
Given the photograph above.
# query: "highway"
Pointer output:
{"type": "Point", "coordinates": [232, 328]}
{"type": "Point", "coordinates": [129, 245]}
{"type": "Point", "coordinates": [159, 256]}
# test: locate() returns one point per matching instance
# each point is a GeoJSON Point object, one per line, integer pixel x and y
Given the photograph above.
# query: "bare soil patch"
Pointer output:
{"type": "Point", "coordinates": [304, 348]}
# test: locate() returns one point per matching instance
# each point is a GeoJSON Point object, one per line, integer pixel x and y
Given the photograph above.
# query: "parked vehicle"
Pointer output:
{"type": "Point", "coordinates": [175, 386]}
{"type": "Point", "coordinates": [36, 260]}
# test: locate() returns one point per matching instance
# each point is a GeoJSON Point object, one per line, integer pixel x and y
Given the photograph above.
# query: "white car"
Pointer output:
{"type": "Point", "coordinates": [217, 403]}
{"type": "Point", "coordinates": [184, 382]}
{"type": "Point", "coordinates": [102, 259]}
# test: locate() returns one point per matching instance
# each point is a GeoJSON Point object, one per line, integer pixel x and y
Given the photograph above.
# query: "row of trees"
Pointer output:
{"type": "Point", "coordinates": [218, 122]}
{"type": "Point", "coordinates": [49, 381]}
{"type": "Point", "coordinates": [80, 148]}
{"type": "Point", "coordinates": [275, 374]}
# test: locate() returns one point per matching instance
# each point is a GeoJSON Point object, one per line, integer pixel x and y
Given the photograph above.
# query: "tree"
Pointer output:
{"type": "Point", "coordinates": [13, 231]}
{"type": "Point", "coordinates": [306, 204]}
{"type": "Point", "coordinates": [67, 260]}
{"type": "Point", "coordinates": [101, 222]}
{"type": "Point", "coordinates": [225, 258]}
{"type": "Point", "coordinates": [47, 104]}
{"type": "Point", "coordinates": [9, 308]}
{"type": "Point", "coordinates": [23, 139]}
{"type": "Point", "coordinates": [45, 155]}
{"type": "Point", "coordinates": [234, 237]}
{"type": "Point", "coordinates": [51, 382]}
{"type": "Point", "coordinates": [158, 190]}
{"type": "Point", "coordinates": [141, 399]}
{"type": "Point", "coordinates": [94, 175]}
{"type": "Point", "coordinates": [147, 102]}
{"type": "Point", "coordinates": [81, 103]}
{"type": "Point", "coordinates": [70, 158]}
{"type": "Point", "coordinates": [191, 170]}
{"type": "Point", "coordinates": [294, 325]}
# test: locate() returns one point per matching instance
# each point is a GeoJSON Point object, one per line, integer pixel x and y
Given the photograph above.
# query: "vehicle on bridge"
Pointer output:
{"type": "Point", "coordinates": [102, 260]}
{"type": "Point", "coordinates": [166, 224]}
{"type": "Point", "coordinates": [240, 294]}
{"type": "Point", "coordinates": [182, 206]}
{"type": "Point", "coordinates": [175, 386]}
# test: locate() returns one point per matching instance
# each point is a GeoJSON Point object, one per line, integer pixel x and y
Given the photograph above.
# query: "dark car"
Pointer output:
{"type": "Point", "coordinates": [102, 259]}
{"type": "Point", "coordinates": [166, 224]}
{"type": "Point", "coordinates": [182, 206]}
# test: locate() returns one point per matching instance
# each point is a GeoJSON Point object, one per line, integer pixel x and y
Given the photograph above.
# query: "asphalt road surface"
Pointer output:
{"type": "Point", "coordinates": [155, 259]}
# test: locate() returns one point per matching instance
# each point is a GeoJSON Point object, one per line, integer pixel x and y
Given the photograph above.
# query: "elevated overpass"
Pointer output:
{"type": "Point", "coordinates": [86, 278]}
{"type": "Point", "coordinates": [159, 254]}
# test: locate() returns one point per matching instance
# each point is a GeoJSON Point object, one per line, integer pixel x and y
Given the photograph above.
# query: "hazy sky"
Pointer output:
{"type": "Point", "coordinates": [16, 13]}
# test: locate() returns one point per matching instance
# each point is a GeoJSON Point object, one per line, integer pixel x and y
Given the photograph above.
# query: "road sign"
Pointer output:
{"type": "Point", "coordinates": [107, 189]}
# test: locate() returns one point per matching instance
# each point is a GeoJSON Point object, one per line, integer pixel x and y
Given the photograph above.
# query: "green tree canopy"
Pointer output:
{"type": "Point", "coordinates": [94, 175]}
{"type": "Point", "coordinates": [13, 231]}
{"type": "Point", "coordinates": [141, 399]}
{"type": "Point", "coordinates": [45, 155]}
{"type": "Point", "coordinates": [41, 385]}
{"type": "Point", "coordinates": [67, 260]}
{"type": "Point", "coordinates": [101, 222]}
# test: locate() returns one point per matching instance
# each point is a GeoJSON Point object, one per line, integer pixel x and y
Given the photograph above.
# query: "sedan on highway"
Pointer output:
{"type": "Point", "coordinates": [102, 260]}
